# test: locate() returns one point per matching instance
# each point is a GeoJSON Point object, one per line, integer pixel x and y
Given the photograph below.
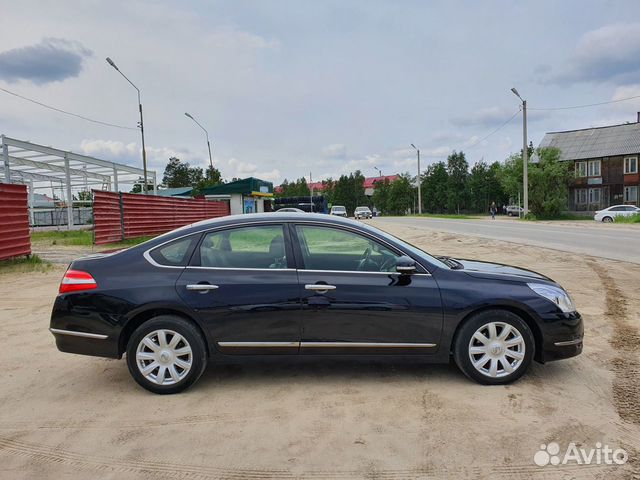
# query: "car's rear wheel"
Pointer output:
{"type": "Point", "coordinates": [494, 347]}
{"type": "Point", "coordinates": [607, 219]}
{"type": "Point", "coordinates": [166, 354]}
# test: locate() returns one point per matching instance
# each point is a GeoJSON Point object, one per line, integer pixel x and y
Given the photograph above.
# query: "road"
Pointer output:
{"type": "Point", "coordinates": [615, 242]}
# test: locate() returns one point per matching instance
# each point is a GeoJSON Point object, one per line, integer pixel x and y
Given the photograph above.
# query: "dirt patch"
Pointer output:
{"type": "Point", "coordinates": [626, 342]}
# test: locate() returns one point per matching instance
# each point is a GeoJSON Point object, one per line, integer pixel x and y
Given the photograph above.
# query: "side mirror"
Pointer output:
{"type": "Point", "coordinates": [405, 265]}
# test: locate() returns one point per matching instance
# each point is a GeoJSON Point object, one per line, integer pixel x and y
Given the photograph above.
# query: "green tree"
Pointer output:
{"type": "Point", "coordinates": [401, 194]}
{"type": "Point", "coordinates": [458, 170]}
{"type": "Point", "coordinates": [181, 174]}
{"type": "Point", "coordinates": [435, 183]}
{"type": "Point", "coordinates": [381, 195]}
{"type": "Point", "coordinates": [549, 181]}
{"type": "Point", "coordinates": [211, 178]}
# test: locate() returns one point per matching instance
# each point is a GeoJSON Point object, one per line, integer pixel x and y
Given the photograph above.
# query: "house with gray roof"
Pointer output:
{"type": "Point", "coordinates": [605, 161]}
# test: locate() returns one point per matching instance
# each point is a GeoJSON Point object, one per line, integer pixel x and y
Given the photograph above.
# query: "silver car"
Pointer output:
{"type": "Point", "coordinates": [363, 212]}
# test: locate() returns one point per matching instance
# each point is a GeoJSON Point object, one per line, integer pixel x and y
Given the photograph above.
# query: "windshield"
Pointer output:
{"type": "Point", "coordinates": [338, 209]}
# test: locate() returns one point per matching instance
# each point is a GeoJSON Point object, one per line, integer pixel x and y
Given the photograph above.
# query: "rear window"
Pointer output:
{"type": "Point", "coordinates": [176, 253]}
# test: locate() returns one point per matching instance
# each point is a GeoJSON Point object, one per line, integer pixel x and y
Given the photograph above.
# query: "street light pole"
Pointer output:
{"type": "Point", "coordinates": [379, 171]}
{"type": "Point", "coordinates": [525, 156]}
{"type": "Point", "coordinates": [144, 151]}
{"type": "Point", "coordinates": [207, 134]}
{"type": "Point", "coordinates": [419, 182]}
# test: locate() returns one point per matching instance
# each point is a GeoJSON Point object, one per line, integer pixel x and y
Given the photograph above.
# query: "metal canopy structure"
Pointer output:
{"type": "Point", "coordinates": [40, 166]}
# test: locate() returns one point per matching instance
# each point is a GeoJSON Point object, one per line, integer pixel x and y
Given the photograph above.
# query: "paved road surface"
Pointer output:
{"type": "Point", "coordinates": [617, 242]}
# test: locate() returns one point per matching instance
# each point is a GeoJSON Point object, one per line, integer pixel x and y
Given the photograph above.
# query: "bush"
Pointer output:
{"type": "Point", "coordinates": [630, 219]}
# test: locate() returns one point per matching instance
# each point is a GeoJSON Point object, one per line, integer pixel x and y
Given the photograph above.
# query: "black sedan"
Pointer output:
{"type": "Point", "coordinates": [305, 285]}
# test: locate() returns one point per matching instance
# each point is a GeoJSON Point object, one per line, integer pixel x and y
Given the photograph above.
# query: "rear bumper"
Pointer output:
{"type": "Point", "coordinates": [84, 343]}
{"type": "Point", "coordinates": [83, 331]}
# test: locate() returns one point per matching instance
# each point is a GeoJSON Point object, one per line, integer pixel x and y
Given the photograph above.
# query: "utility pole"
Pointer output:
{"type": "Point", "coordinates": [310, 193]}
{"type": "Point", "coordinates": [379, 171]}
{"type": "Point", "coordinates": [206, 134]}
{"type": "Point", "coordinates": [525, 156]}
{"type": "Point", "coordinates": [141, 124]}
{"type": "Point", "coordinates": [419, 182]}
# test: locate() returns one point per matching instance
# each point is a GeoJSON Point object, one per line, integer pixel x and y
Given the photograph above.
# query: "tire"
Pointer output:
{"type": "Point", "coordinates": [607, 219]}
{"type": "Point", "coordinates": [517, 354]}
{"type": "Point", "coordinates": [188, 356]}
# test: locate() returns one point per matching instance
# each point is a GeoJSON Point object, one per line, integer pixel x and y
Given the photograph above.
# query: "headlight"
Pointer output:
{"type": "Point", "coordinates": [556, 294]}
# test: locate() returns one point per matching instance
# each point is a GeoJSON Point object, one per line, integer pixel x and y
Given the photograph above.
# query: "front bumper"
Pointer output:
{"type": "Point", "coordinates": [563, 336]}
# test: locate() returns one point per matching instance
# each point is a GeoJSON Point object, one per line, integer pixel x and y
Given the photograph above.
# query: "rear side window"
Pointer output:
{"type": "Point", "coordinates": [246, 247]}
{"type": "Point", "coordinates": [176, 253]}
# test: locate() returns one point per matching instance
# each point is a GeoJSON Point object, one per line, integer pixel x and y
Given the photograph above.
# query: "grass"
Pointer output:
{"type": "Point", "coordinates": [630, 219]}
{"type": "Point", "coordinates": [31, 263]}
{"type": "Point", "coordinates": [64, 237]}
{"type": "Point", "coordinates": [451, 216]}
{"type": "Point", "coordinates": [79, 238]}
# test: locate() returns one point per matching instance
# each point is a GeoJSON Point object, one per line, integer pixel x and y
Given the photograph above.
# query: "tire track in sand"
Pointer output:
{"type": "Point", "coordinates": [626, 344]}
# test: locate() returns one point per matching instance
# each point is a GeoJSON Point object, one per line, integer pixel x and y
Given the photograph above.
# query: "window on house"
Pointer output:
{"type": "Point", "coordinates": [631, 165]}
{"type": "Point", "coordinates": [581, 169]}
{"type": "Point", "coordinates": [581, 196]}
{"type": "Point", "coordinates": [594, 168]}
{"type": "Point", "coordinates": [594, 195]}
{"type": "Point", "coordinates": [631, 194]}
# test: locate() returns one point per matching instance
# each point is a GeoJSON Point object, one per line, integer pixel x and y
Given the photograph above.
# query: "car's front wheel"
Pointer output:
{"type": "Point", "coordinates": [494, 347]}
{"type": "Point", "coordinates": [607, 219]}
{"type": "Point", "coordinates": [166, 354]}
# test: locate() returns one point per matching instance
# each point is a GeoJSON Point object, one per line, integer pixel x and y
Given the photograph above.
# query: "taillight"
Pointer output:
{"type": "Point", "coordinates": [75, 281]}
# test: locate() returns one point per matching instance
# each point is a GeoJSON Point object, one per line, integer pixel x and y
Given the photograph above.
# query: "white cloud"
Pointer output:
{"type": "Point", "coordinates": [608, 53]}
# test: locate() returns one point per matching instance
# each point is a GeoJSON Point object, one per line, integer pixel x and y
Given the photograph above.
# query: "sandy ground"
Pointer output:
{"type": "Point", "coordinates": [72, 417]}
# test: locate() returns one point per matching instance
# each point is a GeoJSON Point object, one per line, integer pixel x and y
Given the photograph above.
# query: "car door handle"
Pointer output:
{"type": "Point", "coordinates": [202, 287]}
{"type": "Point", "coordinates": [318, 287]}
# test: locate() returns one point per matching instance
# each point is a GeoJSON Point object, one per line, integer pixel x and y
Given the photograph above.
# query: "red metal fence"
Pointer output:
{"type": "Point", "coordinates": [14, 221]}
{"type": "Point", "coordinates": [118, 216]}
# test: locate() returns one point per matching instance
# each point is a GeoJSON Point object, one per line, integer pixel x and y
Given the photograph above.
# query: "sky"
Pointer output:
{"type": "Point", "coordinates": [289, 88]}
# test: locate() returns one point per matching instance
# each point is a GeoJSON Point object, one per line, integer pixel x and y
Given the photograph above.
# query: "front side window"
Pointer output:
{"type": "Point", "coordinates": [631, 165]}
{"type": "Point", "coordinates": [631, 194]}
{"type": "Point", "coordinates": [594, 168]}
{"type": "Point", "coordinates": [176, 253]}
{"type": "Point", "coordinates": [594, 195]}
{"type": "Point", "coordinates": [245, 247]}
{"type": "Point", "coordinates": [326, 248]}
{"type": "Point", "coordinates": [581, 169]}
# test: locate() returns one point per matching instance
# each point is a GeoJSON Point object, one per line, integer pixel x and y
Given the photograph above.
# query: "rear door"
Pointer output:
{"type": "Point", "coordinates": [353, 300]}
{"type": "Point", "coordinates": [243, 285]}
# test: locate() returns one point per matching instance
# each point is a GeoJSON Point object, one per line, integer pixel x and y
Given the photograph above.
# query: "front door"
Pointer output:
{"type": "Point", "coordinates": [354, 301]}
{"type": "Point", "coordinates": [241, 286]}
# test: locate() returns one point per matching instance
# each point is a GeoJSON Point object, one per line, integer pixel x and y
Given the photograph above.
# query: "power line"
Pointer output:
{"type": "Point", "coordinates": [82, 117]}
{"type": "Point", "coordinates": [587, 105]}
{"type": "Point", "coordinates": [506, 122]}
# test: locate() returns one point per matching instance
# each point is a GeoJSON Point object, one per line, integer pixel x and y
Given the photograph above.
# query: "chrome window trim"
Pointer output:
{"type": "Point", "coordinates": [365, 345]}
{"type": "Point", "coordinates": [241, 269]}
{"type": "Point", "coordinates": [259, 344]}
{"type": "Point", "coordinates": [73, 333]}
{"type": "Point", "coordinates": [147, 256]}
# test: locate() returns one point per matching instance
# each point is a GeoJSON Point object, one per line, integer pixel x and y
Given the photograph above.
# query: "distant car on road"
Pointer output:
{"type": "Point", "coordinates": [514, 210]}
{"type": "Point", "coordinates": [339, 210]}
{"type": "Point", "coordinates": [290, 210]}
{"type": "Point", "coordinates": [609, 214]}
{"type": "Point", "coordinates": [363, 212]}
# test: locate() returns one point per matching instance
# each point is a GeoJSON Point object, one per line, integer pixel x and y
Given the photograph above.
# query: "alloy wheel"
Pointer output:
{"type": "Point", "coordinates": [164, 357]}
{"type": "Point", "coordinates": [497, 349]}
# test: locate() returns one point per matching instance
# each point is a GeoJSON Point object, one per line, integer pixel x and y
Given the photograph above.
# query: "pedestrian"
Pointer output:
{"type": "Point", "coordinates": [493, 210]}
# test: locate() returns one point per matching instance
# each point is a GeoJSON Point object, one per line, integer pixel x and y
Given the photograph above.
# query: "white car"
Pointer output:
{"type": "Point", "coordinates": [363, 212]}
{"type": "Point", "coordinates": [338, 210]}
{"type": "Point", "coordinates": [608, 214]}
